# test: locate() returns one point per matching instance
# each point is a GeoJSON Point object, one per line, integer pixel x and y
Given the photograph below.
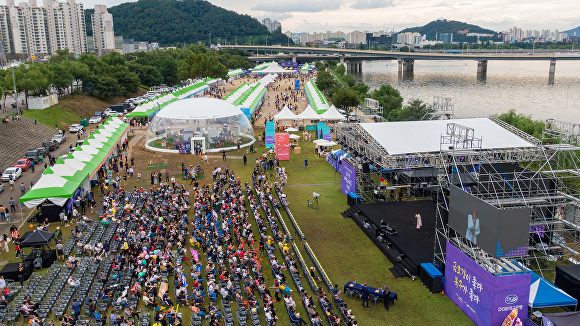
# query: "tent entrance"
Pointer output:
{"type": "Point", "coordinates": [198, 141]}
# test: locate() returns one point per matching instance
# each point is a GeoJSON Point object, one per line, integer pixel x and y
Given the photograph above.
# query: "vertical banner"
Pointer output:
{"type": "Point", "coordinates": [270, 134]}
{"type": "Point", "coordinates": [283, 146]}
{"type": "Point", "coordinates": [348, 178]}
{"type": "Point", "coordinates": [326, 133]}
{"type": "Point", "coordinates": [297, 84]}
{"type": "Point", "coordinates": [483, 297]}
{"type": "Point", "coordinates": [319, 127]}
{"type": "Point", "coordinates": [246, 112]}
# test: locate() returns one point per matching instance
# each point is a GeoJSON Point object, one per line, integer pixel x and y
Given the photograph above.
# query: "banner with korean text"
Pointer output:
{"type": "Point", "coordinates": [283, 146]}
{"type": "Point", "coordinates": [483, 297]}
{"type": "Point", "coordinates": [348, 178]}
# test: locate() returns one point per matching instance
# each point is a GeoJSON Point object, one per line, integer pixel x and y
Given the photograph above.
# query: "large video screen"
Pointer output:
{"type": "Point", "coordinates": [500, 232]}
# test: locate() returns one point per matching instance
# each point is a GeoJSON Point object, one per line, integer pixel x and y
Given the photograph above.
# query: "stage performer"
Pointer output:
{"type": "Point", "coordinates": [472, 226]}
{"type": "Point", "coordinates": [419, 221]}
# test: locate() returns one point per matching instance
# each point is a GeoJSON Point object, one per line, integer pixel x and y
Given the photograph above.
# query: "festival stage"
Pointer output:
{"type": "Point", "coordinates": [409, 247]}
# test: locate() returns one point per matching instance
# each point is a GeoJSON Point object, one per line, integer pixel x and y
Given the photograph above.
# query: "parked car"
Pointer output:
{"type": "Point", "coordinates": [33, 155]}
{"type": "Point", "coordinates": [75, 128]}
{"type": "Point", "coordinates": [95, 119]}
{"type": "Point", "coordinates": [51, 145]}
{"type": "Point", "coordinates": [13, 171]}
{"type": "Point", "coordinates": [23, 163]}
{"type": "Point", "coordinates": [59, 138]}
{"type": "Point", "coordinates": [99, 114]}
{"type": "Point", "coordinates": [1, 187]}
{"type": "Point", "coordinates": [43, 150]}
{"type": "Point", "coordinates": [109, 112]}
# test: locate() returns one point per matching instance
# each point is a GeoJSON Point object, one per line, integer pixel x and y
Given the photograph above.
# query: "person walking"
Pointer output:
{"type": "Point", "coordinates": [386, 296]}
{"type": "Point", "coordinates": [223, 155]}
{"type": "Point", "coordinates": [22, 189]}
{"type": "Point", "coordinates": [32, 166]}
{"type": "Point", "coordinates": [245, 159]}
{"type": "Point", "coordinates": [364, 293]}
{"type": "Point", "coordinates": [305, 163]}
{"type": "Point", "coordinates": [12, 204]}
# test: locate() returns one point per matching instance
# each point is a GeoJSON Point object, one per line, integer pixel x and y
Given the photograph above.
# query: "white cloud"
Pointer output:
{"type": "Point", "coordinates": [297, 6]}
{"type": "Point", "coordinates": [372, 15]}
{"type": "Point", "coordinates": [372, 4]}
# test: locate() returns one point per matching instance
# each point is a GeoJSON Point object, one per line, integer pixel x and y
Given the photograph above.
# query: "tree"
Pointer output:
{"type": "Point", "coordinates": [325, 81]}
{"type": "Point", "coordinates": [345, 98]}
{"type": "Point", "coordinates": [340, 70]}
{"type": "Point", "coordinates": [523, 122]}
{"type": "Point", "coordinates": [415, 110]}
{"type": "Point", "coordinates": [108, 87]}
{"type": "Point", "coordinates": [389, 98]}
{"type": "Point", "coordinates": [200, 66]}
{"type": "Point", "coordinates": [62, 76]}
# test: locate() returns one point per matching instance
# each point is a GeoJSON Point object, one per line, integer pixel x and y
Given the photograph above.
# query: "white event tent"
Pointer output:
{"type": "Point", "coordinates": [331, 114]}
{"type": "Point", "coordinates": [285, 114]}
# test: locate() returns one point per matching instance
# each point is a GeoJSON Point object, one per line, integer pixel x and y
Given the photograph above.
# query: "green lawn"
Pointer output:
{"type": "Point", "coordinates": [54, 115]}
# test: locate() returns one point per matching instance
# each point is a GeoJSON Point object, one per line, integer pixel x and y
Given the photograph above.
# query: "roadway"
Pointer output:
{"type": "Point", "coordinates": [352, 54]}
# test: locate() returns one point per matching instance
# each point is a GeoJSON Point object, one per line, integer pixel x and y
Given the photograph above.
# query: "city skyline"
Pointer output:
{"type": "Point", "coordinates": [318, 15]}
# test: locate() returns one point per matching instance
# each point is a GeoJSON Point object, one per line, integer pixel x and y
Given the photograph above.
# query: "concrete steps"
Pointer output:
{"type": "Point", "coordinates": [16, 137]}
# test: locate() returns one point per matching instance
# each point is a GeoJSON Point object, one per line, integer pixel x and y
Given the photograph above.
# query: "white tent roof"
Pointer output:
{"type": "Point", "coordinates": [332, 114]}
{"type": "Point", "coordinates": [409, 137]}
{"type": "Point", "coordinates": [199, 108]}
{"type": "Point", "coordinates": [285, 114]}
{"type": "Point", "coordinates": [308, 114]}
{"type": "Point", "coordinates": [273, 67]}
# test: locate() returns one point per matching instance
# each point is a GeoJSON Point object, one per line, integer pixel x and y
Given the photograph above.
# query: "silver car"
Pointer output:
{"type": "Point", "coordinates": [59, 138]}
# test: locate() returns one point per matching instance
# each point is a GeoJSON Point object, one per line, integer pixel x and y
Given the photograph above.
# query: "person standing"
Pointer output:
{"type": "Point", "coordinates": [76, 309]}
{"type": "Point", "coordinates": [22, 189]}
{"type": "Point", "coordinates": [11, 183]}
{"type": "Point", "coordinates": [419, 221]}
{"type": "Point", "coordinates": [245, 159]}
{"type": "Point", "coordinates": [364, 293]}
{"type": "Point", "coordinates": [305, 163]}
{"type": "Point", "coordinates": [2, 213]}
{"type": "Point", "coordinates": [386, 296]}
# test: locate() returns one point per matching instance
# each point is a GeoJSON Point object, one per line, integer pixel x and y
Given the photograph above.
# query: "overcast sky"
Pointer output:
{"type": "Point", "coordinates": [374, 15]}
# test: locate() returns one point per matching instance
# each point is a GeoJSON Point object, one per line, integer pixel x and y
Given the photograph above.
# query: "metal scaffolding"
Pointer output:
{"type": "Point", "coordinates": [544, 178]}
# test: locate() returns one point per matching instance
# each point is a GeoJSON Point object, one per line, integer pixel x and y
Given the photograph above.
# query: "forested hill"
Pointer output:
{"type": "Point", "coordinates": [172, 22]}
{"type": "Point", "coordinates": [459, 30]}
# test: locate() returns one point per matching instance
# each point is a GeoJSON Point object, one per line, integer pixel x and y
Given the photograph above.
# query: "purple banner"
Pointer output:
{"type": "Point", "coordinates": [348, 178]}
{"type": "Point", "coordinates": [333, 162]}
{"type": "Point", "coordinates": [327, 137]}
{"type": "Point", "coordinates": [484, 298]}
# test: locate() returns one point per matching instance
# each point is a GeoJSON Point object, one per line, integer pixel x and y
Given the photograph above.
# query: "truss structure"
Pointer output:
{"type": "Point", "coordinates": [545, 178]}
{"type": "Point", "coordinates": [442, 107]}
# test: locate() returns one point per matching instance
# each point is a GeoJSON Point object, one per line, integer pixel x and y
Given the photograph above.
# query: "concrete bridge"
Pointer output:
{"type": "Point", "coordinates": [352, 58]}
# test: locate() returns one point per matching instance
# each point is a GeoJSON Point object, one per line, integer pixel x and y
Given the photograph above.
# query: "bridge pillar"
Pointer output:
{"type": "Point", "coordinates": [294, 57]}
{"type": "Point", "coordinates": [360, 66]}
{"type": "Point", "coordinates": [552, 72]}
{"type": "Point", "coordinates": [341, 59]}
{"type": "Point", "coordinates": [482, 70]}
{"type": "Point", "coordinates": [406, 69]}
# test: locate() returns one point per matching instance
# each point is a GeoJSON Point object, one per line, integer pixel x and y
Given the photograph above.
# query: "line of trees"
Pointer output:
{"type": "Point", "coordinates": [115, 74]}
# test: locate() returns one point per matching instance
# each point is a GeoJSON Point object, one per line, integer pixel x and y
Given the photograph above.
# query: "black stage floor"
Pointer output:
{"type": "Point", "coordinates": [410, 246]}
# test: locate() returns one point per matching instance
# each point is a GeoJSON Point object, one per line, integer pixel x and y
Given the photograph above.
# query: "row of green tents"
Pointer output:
{"type": "Point", "coordinates": [59, 182]}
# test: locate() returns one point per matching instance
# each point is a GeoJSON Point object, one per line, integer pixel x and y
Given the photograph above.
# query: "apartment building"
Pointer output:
{"type": "Point", "coordinates": [27, 29]}
{"type": "Point", "coordinates": [103, 31]}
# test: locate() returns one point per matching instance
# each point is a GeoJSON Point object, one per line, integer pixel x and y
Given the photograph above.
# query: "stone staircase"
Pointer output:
{"type": "Point", "coordinates": [16, 137]}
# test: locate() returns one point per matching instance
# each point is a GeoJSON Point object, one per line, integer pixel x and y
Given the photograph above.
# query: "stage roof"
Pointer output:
{"type": "Point", "coordinates": [410, 137]}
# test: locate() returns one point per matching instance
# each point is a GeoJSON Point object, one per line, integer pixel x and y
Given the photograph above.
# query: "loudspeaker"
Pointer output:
{"type": "Point", "coordinates": [365, 168]}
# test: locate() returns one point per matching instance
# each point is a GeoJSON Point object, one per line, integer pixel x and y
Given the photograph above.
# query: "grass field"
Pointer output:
{"type": "Point", "coordinates": [342, 248]}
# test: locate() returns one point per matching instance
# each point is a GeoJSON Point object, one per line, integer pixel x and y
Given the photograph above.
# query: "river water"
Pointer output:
{"type": "Point", "coordinates": [519, 85]}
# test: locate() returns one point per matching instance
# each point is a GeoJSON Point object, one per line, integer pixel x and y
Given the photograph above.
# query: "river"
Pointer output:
{"type": "Point", "coordinates": [519, 85]}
